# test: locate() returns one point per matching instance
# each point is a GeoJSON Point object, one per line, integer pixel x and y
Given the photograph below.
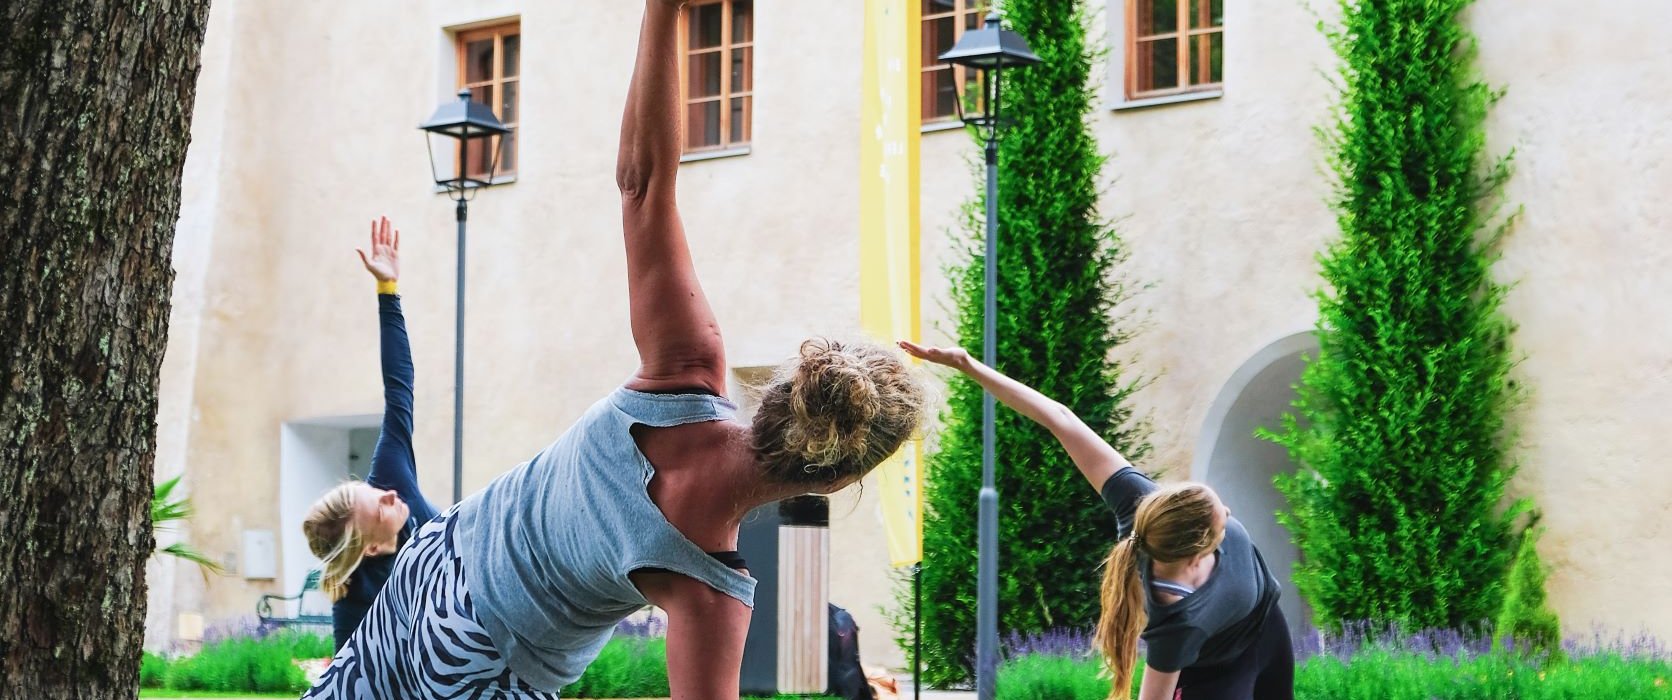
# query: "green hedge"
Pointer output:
{"type": "Point", "coordinates": [1386, 675]}
{"type": "Point", "coordinates": [1059, 324]}
{"type": "Point", "coordinates": [239, 664]}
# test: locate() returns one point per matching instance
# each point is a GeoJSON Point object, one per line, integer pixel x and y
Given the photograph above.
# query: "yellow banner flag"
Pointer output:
{"type": "Point", "coordinates": [889, 263]}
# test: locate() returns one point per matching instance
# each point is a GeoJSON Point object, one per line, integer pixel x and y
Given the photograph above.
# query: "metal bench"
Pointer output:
{"type": "Point", "coordinates": [264, 607]}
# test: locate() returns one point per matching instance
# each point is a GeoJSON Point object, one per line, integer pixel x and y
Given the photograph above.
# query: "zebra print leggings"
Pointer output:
{"type": "Point", "coordinates": [421, 638]}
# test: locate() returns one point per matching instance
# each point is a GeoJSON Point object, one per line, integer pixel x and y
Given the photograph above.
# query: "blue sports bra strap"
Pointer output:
{"type": "Point", "coordinates": [1173, 588]}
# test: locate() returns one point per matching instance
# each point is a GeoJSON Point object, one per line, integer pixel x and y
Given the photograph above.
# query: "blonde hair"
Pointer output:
{"type": "Point", "coordinates": [1174, 523]}
{"type": "Point", "coordinates": [835, 412]}
{"type": "Point", "coordinates": [329, 527]}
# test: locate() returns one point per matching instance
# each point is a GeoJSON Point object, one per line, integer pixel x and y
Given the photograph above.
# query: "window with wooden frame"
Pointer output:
{"type": "Point", "coordinates": [490, 62]}
{"type": "Point", "coordinates": [717, 40]}
{"type": "Point", "coordinates": [944, 22]}
{"type": "Point", "coordinates": [1174, 46]}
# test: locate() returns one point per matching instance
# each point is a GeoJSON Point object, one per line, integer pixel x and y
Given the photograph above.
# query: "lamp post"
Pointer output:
{"type": "Point", "coordinates": [989, 50]}
{"type": "Point", "coordinates": [475, 131]}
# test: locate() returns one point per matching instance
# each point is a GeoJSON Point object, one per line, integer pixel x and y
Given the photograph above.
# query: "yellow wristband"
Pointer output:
{"type": "Point", "coordinates": [386, 287]}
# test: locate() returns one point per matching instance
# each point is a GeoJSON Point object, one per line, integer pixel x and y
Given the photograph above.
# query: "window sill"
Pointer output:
{"type": "Point", "coordinates": [501, 180]}
{"type": "Point", "coordinates": [942, 125]}
{"type": "Point", "coordinates": [715, 154]}
{"type": "Point", "coordinates": [1163, 100]}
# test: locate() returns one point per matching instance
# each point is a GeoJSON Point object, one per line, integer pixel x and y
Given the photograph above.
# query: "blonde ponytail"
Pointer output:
{"type": "Point", "coordinates": [329, 528]}
{"type": "Point", "coordinates": [1123, 615]}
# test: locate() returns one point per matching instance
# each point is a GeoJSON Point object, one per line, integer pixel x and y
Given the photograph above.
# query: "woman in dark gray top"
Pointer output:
{"type": "Point", "coordinates": [1184, 574]}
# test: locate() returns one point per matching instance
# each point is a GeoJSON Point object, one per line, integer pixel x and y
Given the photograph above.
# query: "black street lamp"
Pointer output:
{"type": "Point", "coordinates": [990, 50]}
{"type": "Point", "coordinates": [477, 132]}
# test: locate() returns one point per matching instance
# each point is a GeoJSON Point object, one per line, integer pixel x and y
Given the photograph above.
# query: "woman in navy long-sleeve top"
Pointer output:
{"type": "Point", "coordinates": [357, 527]}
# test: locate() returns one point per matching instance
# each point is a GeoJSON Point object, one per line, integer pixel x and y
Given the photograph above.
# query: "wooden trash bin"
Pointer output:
{"type": "Point", "coordinates": [804, 595]}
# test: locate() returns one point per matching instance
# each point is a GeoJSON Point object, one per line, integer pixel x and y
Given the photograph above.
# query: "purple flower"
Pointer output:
{"type": "Point", "coordinates": [1360, 637]}
{"type": "Point", "coordinates": [1641, 645]}
{"type": "Point", "coordinates": [1061, 641]}
{"type": "Point", "coordinates": [245, 627]}
{"type": "Point", "coordinates": [645, 627]}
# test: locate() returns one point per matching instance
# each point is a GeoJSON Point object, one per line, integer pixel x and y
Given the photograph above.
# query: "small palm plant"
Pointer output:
{"type": "Point", "coordinates": [167, 511]}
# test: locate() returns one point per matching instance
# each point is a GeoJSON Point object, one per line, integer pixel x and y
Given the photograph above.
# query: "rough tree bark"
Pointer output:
{"type": "Point", "coordinates": [95, 114]}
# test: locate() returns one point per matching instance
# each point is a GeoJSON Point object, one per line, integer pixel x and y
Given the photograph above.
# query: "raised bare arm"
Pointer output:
{"type": "Point", "coordinates": [1096, 459]}
{"type": "Point", "coordinates": [676, 333]}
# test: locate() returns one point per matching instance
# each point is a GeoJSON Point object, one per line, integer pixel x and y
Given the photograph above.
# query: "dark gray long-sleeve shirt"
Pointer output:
{"type": "Point", "coordinates": [1215, 624]}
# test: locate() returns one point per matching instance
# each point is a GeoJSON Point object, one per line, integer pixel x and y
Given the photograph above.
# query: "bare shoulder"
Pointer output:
{"type": "Point", "coordinates": [699, 478]}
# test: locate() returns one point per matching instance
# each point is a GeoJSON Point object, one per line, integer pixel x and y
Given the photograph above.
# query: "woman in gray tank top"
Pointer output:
{"type": "Point", "coordinates": [513, 591]}
{"type": "Point", "coordinates": [1183, 575]}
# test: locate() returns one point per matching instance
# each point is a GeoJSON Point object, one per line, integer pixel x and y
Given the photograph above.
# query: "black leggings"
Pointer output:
{"type": "Point", "coordinates": [1266, 671]}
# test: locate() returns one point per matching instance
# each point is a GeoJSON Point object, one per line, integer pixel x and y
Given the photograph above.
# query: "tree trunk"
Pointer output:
{"type": "Point", "coordinates": [95, 114]}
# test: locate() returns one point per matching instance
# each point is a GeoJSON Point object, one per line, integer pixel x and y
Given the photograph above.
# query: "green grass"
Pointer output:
{"type": "Point", "coordinates": [244, 667]}
{"type": "Point", "coordinates": [1387, 675]}
{"type": "Point", "coordinates": [165, 694]}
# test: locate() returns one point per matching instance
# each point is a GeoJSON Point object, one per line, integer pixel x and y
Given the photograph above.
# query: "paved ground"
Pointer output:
{"type": "Point", "coordinates": [906, 693]}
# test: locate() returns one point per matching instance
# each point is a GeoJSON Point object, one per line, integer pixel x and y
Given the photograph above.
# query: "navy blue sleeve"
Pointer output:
{"type": "Point", "coordinates": [393, 464]}
{"type": "Point", "coordinates": [1122, 492]}
{"type": "Point", "coordinates": [346, 615]}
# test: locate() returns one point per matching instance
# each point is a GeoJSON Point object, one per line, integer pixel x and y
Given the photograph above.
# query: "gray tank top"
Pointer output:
{"type": "Point", "coordinates": [547, 546]}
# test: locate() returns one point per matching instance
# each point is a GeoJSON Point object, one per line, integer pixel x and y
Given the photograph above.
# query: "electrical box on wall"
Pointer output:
{"type": "Point", "coordinates": [261, 555]}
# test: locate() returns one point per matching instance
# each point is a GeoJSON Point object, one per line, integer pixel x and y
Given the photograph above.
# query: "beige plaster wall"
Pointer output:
{"type": "Point", "coordinates": [1590, 122]}
{"type": "Point", "coordinates": [305, 130]}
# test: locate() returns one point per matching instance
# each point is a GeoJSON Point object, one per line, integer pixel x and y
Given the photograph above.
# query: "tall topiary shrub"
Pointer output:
{"type": "Point", "coordinates": [1056, 297]}
{"type": "Point", "coordinates": [1526, 619]}
{"type": "Point", "coordinates": [1398, 507]}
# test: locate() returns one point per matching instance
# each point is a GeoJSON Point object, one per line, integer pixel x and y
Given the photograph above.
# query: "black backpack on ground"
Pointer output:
{"type": "Point", "coordinates": [847, 677]}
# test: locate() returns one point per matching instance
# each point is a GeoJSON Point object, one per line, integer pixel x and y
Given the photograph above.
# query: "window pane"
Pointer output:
{"type": "Point", "coordinates": [476, 157]}
{"type": "Point", "coordinates": [974, 14]}
{"type": "Point", "coordinates": [1158, 65]}
{"type": "Point", "coordinates": [703, 75]}
{"type": "Point", "coordinates": [707, 25]}
{"type": "Point", "coordinates": [702, 126]}
{"type": "Point", "coordinates": [1217, 71]}
{"type": "Point", "coordinates": [935, 7]}
{"type": "Point", "coordinates": [508, 154]}
{"type": "Point", "coordinates": [938, 36]}
{"type": "Point", "coordinates": [940, 100]}
{"type": "Point", "coordinates": [482, 94]}
{"type": "Point", "coordinates": [513, 55]}
{"type": "Point", "coordinates": [508, 102]}
{"type": "Point", "coordinates": [1207, 13]}
{"type": "Point", "coordinates": [743, 21]}
{"type": "Point", "coordinates": [1207, 58]}
{"type": "Point", "coordinates": [1157, 17]}
{"type": "Point", "coordinates": [1216, 57]}
{"type": "Point", "coordinates": [742, 69]}
{"type": "Point", "coordinates": [740, 120]}
{"type": "Point", "coordinates": [478, 61]}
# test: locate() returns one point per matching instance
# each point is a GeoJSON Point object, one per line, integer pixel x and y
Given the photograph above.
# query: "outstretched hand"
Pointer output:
{"type": "Point", "coordinates": [385, 260]}
{"type": "Point", "coordinates": [956, 358]}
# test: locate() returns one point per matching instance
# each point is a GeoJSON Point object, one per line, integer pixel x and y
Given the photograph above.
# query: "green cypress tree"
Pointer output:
{"type": "Point", "coordinates": [1056, 299]}
{"type": "Point", "coordinates": [1398, 508]}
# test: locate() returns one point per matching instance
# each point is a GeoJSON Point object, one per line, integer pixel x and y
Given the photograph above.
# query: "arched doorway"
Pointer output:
{"type": "Point", "coordinates": [1241, 466]}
